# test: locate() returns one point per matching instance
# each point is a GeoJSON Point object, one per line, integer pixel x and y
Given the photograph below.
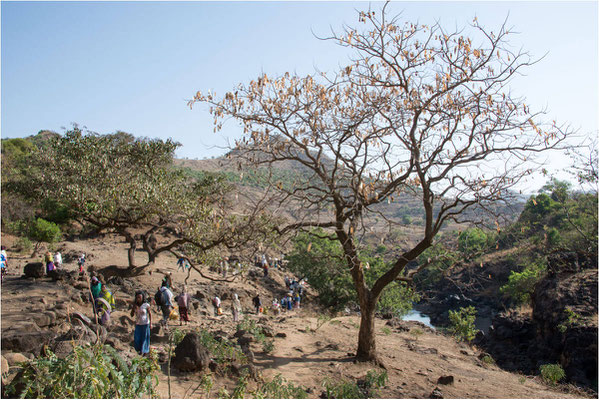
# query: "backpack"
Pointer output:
{"type": "Point", "coordinates": [161, 298]}
{"type": "Point", "coordinates": [158, 298]}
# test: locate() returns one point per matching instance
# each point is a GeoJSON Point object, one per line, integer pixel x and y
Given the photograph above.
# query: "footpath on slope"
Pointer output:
{"type": "Point", "coordinates": [415, 356]}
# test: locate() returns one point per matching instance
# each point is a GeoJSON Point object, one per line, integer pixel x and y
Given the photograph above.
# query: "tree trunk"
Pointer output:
{"type": "Point", "coordinates": [132, 247]}
{"type": "Point", "coordinates": [366, 336]}
{"type": "Point", "coordinates": [149, 245]}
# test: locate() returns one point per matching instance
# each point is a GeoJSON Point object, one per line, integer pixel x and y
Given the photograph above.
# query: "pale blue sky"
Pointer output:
{"type": "Point", "coordinates": [131, 66]}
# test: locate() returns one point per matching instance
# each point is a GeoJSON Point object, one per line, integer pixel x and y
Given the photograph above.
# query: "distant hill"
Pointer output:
{"type": "Point", "coordinates": [405, 211]}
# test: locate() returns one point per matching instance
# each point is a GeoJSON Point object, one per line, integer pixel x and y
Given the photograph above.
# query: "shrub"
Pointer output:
{"type": "Point", "coordinates": [41, 230]}
{"type": "Point", "coordinates": [279, 388]}
{"type": "Point", "coordinates": [462, 323]}
{"type": "Point", "coordinates": [362, 389]}
{"type": "Point", "coordinates": [87, 372]}
{"type": "Point", "coordinates": [471, 241]}
{"type": "Point", "coordinates": [250, 326]}
{"type": "Point", "coordinates": [321, 261]}
{"type": "Point", "coordinates": [222, 352]}
{"type": "Point", "coordinates": [520, 285]}
{"type": "Point", "coordinates": [552, 373]}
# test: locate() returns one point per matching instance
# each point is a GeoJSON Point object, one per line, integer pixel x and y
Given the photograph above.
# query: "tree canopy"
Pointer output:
{"type": "Point", "coordinates": [121, 184]}
{"type": "Point", "coordinates": [419, 110]}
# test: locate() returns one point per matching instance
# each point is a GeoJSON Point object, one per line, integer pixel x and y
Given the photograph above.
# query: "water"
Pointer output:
{"type": "Point", "coordinates": [414, 315]}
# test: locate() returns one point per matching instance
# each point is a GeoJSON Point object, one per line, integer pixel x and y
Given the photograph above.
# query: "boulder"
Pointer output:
{"type": "Point", "coordinates": [15, 358]}
{"type": "Point", "coordinates": [445, 380]}
{"type": "Point", "coordinates": [190, 354]}
{"type": "Point", "coordinates": [25, 341]}
{"type": "Point", "coordinates": [81, 317]}
{"type": "Point", "coordinates": [34, 270]}
{"type": "Point", "coordinates": [79, 332]}
{"type": "Point", "coordinates": [3, 367]}
{"type": "Point", "coordinates": [47, 318]}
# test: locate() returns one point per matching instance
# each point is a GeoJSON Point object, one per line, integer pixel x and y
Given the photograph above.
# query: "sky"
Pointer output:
{"type": "Point", "coordinates": [132, 66]}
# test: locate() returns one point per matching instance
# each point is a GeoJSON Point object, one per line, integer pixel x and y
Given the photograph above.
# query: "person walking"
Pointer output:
{"type": "Point", "coordinates": [183, 301]}
{"type": "Point", "coordinates": [216, 304]}
{"type": "Point", "coordinates": [143, 322]}
{"type": "Point", "coordinates": [236, 307]}
{"type": "Point", "coordinates": [166, 303]}
{"type": "Point", "coordinates": [81, 262]}
{"type": "Point", "coordinates": [58, 260]}
{"type": "Point", "coordinates": [257, 303]}
{"type": "Point", "coordinates": [49, 262]}
{"type": "Point", "coordinates": [3, 261]}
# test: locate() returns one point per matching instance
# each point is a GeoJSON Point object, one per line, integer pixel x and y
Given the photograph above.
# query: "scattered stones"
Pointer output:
{"type": "Point", "coordinates": [445, 380]}
{"type": "Point", "coordinates": [436, 394]}
{"type": "Point", "coordinates": [422, 350]}
{"type": "Point", "coordinates": [281, 335]}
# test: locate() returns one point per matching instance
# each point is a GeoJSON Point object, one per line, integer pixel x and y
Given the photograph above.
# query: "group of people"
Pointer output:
{"type": "Point", "coordinates": [102, 300]}
{"type": "Point", "coordinates": [54, 262]}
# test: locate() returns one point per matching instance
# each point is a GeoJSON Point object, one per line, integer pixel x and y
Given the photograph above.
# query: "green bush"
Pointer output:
{"type": "Point", "coordinates": [41, 230]}
{"type": "Point", "coordinates": [222, 352]}
{"type": "Point", "coordinates": [552, 373]}
{"type": "Point", "coordinates": [362, 389]}
{"type": "Point", "coordinates": [257, 331]}
{"type": "Point", "coordinates": [520, 285]}
{"type": "Point", "coordinates": [87, 372]}
{"type": "Point", "coordinates": [439, 259]}
{"type": "Point", "coordinates": [321, 261]}
{"type": "Point", "coordinates": [472, 241]}
{"type": "Point", "coordinates": [462, 323]}
{"type": "Point", "coordinates": [279, 388]}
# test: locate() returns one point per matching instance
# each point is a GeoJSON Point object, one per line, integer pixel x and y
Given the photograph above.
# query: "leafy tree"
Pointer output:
{"type": "Point", "coordinates": [41, 230]}
{"type": "Point", "coordinates": [419, 110]}
{"type": "Point", "coordinates": [121, 184]}
{"type": "Point", "coordinates": [96, 371]}
{"type": "Point", "coordinates": [320, 260]}
{"type": "Point", "coordinates": [472, 240]}
{"type": "Point", "coordinates": [462, 323]}
{"type": "Point", "coordinates": [521, 285]}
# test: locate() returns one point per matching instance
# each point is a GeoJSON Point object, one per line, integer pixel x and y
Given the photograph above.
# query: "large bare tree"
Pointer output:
{"type": "Point", "coordinates": [418, 109]}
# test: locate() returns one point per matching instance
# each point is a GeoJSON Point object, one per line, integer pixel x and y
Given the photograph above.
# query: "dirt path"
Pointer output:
{"type": "Point", "coordinates": [308, 354]}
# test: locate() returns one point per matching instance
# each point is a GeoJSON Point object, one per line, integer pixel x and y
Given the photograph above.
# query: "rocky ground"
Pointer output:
{"type": "Point", "coordinates": [307, 348]}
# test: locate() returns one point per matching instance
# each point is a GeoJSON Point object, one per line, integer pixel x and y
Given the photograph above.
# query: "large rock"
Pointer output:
{"type": "Point", "coordinates": [79, 332]}
{"type": "Point", "coordinates": [47, 318]}
{"type": "Point", "coordinates": [25, 341]}
{"type": "Point", "coordinates": [190, 354]}
{"type": "Point", "coordinates": [34, 270]}
{"type": "Point", "coordinates": [564, 310]}
{"type": "Point", "coordinates": [15, 358]}
{"type": "Point", "coordinates": [77, 315]}
{"type": "Point", "coordinates": [3, 367]}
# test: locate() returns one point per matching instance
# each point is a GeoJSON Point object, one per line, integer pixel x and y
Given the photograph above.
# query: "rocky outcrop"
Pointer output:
{"type": "Point", "coordinates": [190, 354]}
{"type": "Point", "coordinates": [565, 313]}
{"type": "Point", "coordinates": [562, 327]}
